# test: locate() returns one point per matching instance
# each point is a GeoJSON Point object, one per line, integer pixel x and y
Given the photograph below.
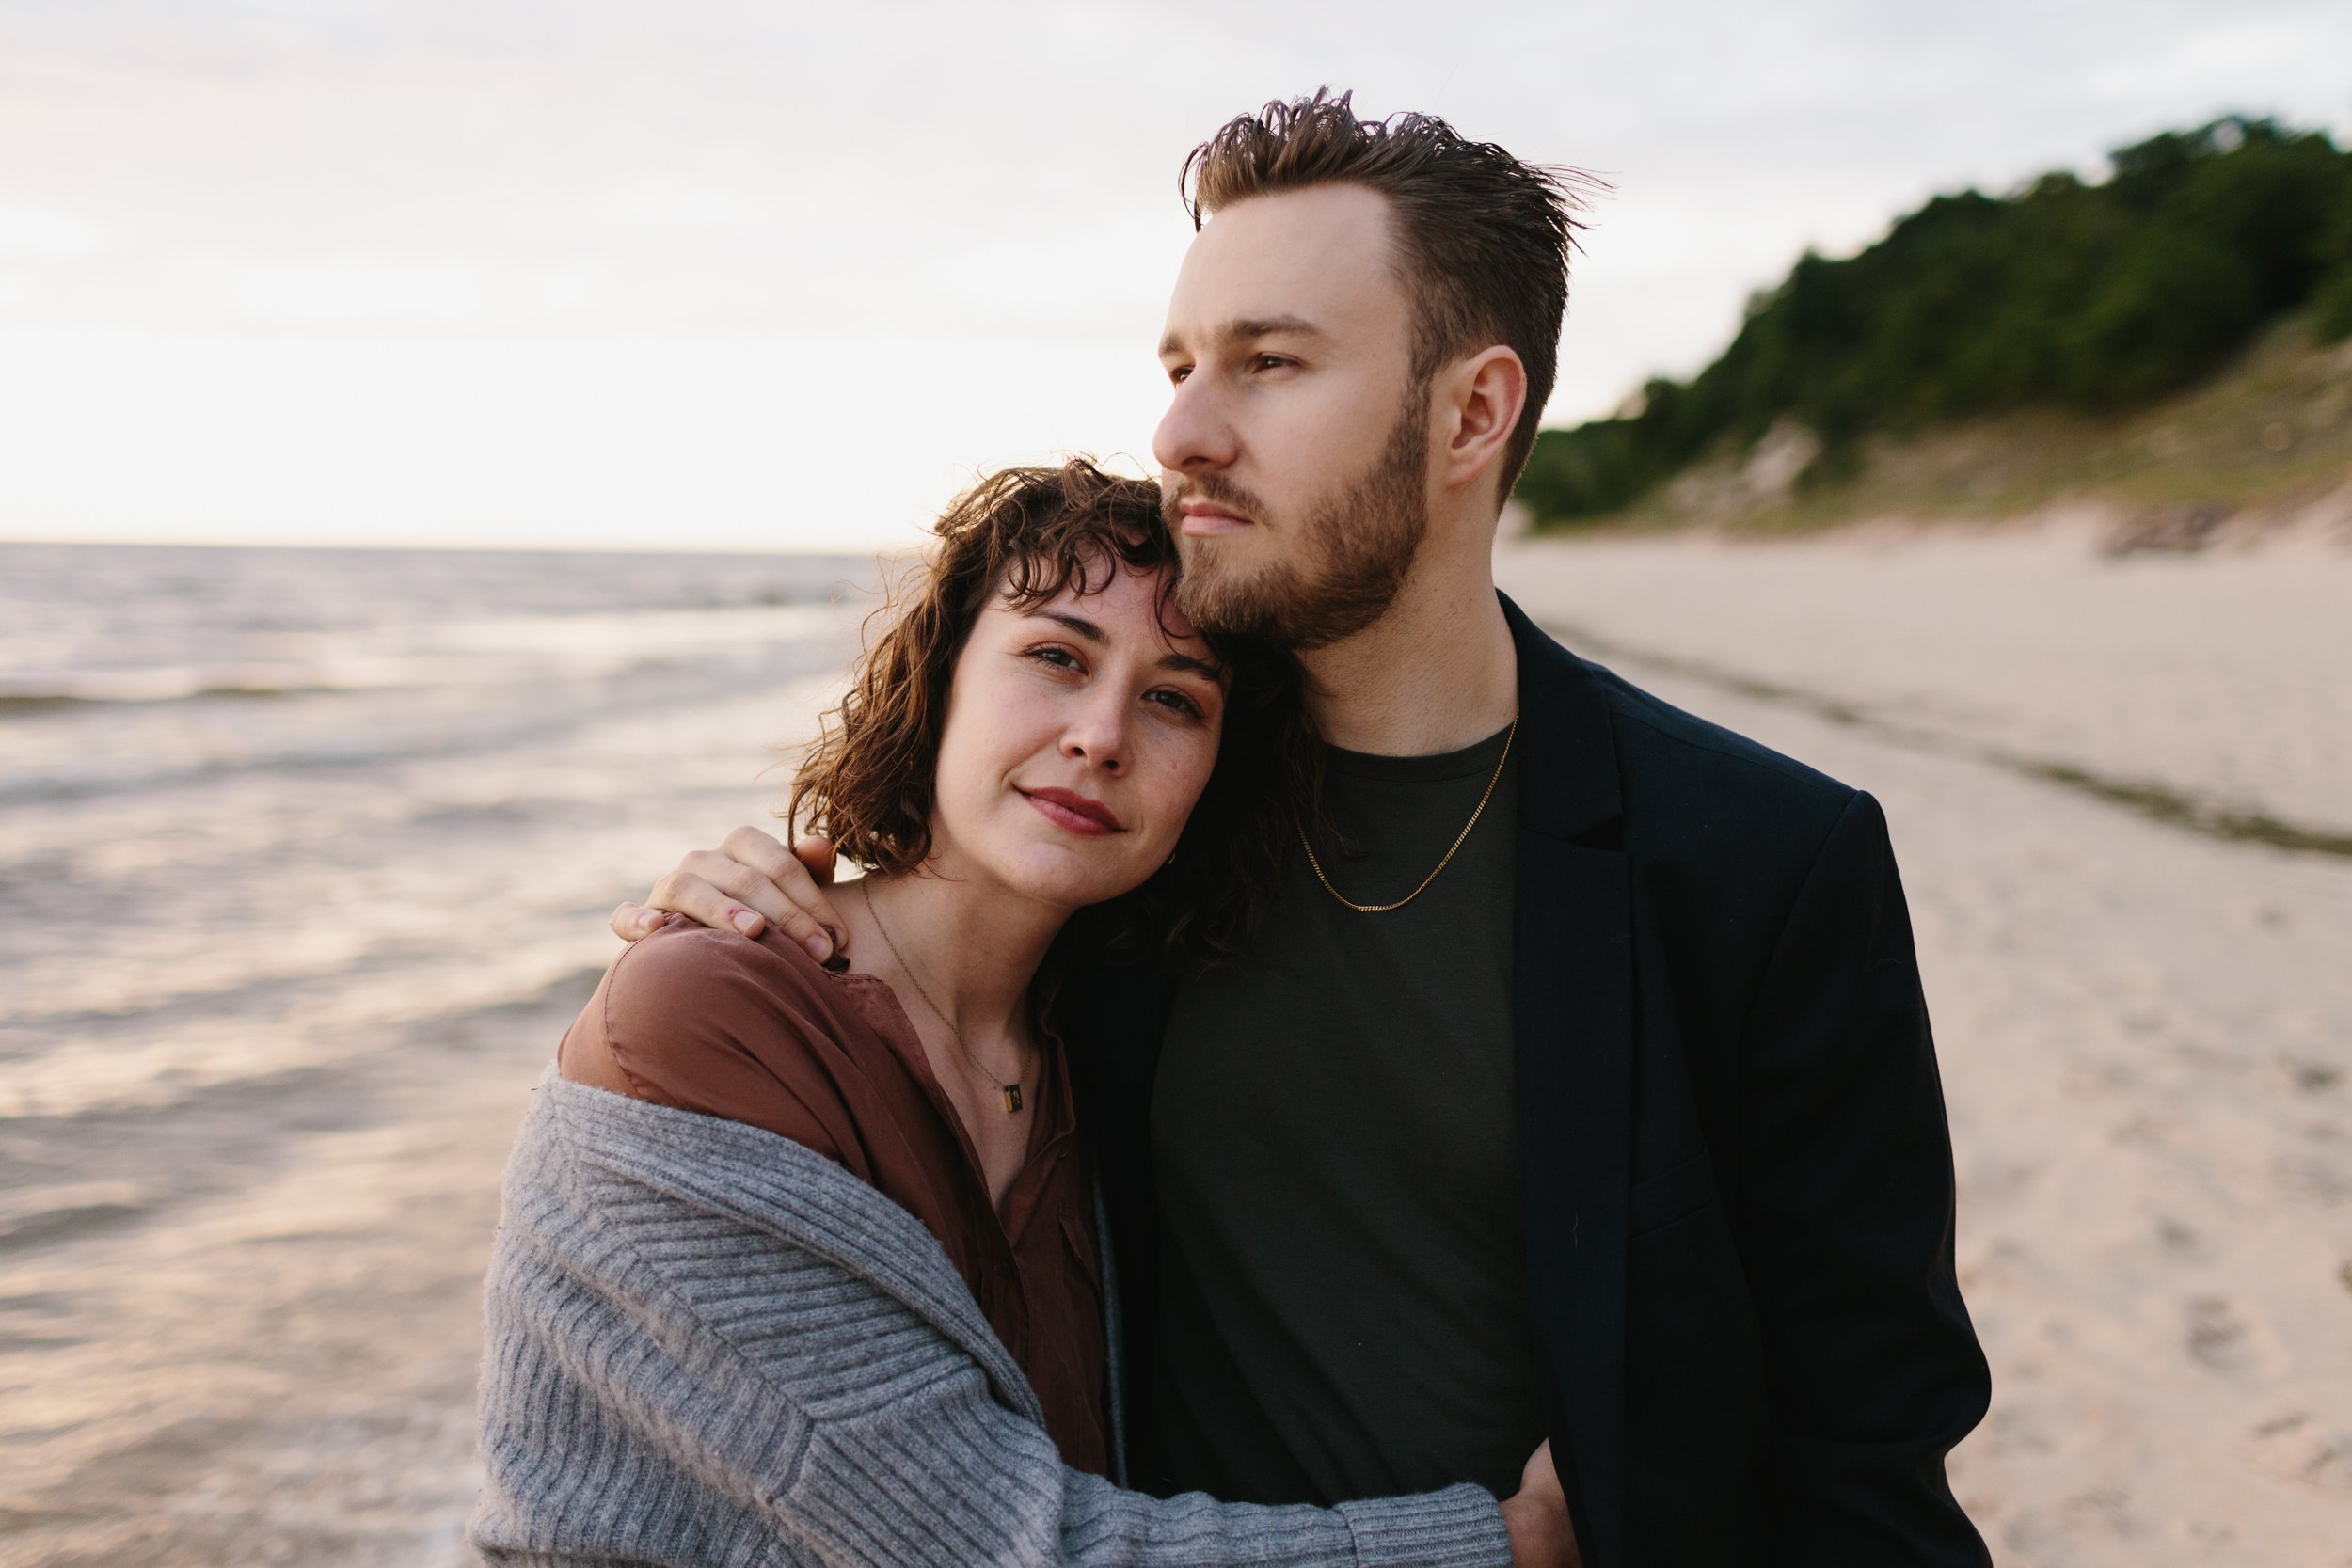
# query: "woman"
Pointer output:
{"type": "Point", "coordinates": [799, 1264]}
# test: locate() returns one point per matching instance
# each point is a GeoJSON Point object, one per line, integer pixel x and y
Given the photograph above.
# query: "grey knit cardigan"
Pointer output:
{"type": "Point", "coordinates": [709, 1345]}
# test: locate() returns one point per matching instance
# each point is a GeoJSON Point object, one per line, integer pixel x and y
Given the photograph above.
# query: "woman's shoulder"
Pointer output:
{"type": "Point", "coordinates": [687, 982]}
{"type": "Point", "coordinates": [682, 953]}
{"type": "Point", "coordinates": [711, 1022]}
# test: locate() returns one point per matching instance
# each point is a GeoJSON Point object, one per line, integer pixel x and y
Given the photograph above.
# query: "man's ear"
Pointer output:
{"type": "Point", "coordinates": [1482, 398]}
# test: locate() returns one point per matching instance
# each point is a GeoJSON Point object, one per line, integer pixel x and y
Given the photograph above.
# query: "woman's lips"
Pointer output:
{"type": "Point", "coordinates": [1070, 810]}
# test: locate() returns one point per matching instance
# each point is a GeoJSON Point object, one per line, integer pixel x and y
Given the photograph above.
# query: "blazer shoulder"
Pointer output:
{"type": "Point", "coordinates": [1656, 732]}
{"type": "Point", "coordinates": [1612, 763]}
{"type": "Point", "coordinates": [1730, 812]}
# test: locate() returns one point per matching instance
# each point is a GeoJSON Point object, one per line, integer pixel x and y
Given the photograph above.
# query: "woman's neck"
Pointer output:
{"type": "Point", "coordinates": [971, 947]}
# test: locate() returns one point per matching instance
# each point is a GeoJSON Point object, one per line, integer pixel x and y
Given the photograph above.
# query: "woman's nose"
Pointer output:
{"type": "Point", "coordinates": [1097, 734]}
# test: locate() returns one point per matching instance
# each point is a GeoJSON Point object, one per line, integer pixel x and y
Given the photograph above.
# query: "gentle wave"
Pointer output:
{"type": "Point", "coordinates": [34, 1218]}
{"type": "Point", "coordinates": [350, 751]}
{"type": "Point", "coordinates": [483, 651]}
{"type": "Point", "coordinates": [255, 806]}
{"type": "Point", "coordinates": [143, 687]}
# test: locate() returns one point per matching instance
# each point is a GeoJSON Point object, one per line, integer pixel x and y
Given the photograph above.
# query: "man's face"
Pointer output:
{"type": "Point", "coordinates": [1295, 452]}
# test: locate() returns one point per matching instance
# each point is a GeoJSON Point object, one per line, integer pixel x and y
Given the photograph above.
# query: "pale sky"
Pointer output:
{"type": "Point", "coordinates": [716, 274]}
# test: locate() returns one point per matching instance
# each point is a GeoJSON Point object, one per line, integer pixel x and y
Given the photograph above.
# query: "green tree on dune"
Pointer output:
{"type": "Point", "coordinates": [2069, 294]}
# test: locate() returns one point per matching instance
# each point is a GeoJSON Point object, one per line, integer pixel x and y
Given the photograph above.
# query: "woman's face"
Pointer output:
{"type": "Point", "coordinates": [1079, 733]}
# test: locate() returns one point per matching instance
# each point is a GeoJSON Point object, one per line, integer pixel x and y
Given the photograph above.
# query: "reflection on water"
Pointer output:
{"type": "Point", "coordinates": [304, 859]}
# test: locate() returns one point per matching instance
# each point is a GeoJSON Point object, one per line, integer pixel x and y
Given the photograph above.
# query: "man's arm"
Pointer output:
{"type": "Point", "coordinates": [1844, 1222]}
{"type": "Point", "coordinates": [749, 883]}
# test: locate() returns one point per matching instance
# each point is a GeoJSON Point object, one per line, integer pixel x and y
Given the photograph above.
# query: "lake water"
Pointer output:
{"type": "Point", "coordinates": [305, 856]}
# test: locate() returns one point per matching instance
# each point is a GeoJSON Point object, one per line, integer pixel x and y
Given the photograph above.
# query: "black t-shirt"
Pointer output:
{"type": "Point", "coordinates": [1343, 1296]}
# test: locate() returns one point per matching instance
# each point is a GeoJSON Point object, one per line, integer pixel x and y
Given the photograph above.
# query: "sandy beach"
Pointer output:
{"type": "Point", "coordinates": [2121, 793]}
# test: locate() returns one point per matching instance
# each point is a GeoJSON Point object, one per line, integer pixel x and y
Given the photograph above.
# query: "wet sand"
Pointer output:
{"type": "Point", "coordinates": [2141, 999]}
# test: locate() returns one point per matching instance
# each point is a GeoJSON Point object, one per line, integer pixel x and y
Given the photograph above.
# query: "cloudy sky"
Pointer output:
{"type": "Point", "coordinates": [713, 273]}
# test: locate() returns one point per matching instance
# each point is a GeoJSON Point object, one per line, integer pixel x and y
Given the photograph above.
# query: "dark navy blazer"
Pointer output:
{"type": "Point", "coordinates": [1739, 1177]}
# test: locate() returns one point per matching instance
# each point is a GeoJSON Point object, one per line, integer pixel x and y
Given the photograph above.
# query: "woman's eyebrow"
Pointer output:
{"type": "Point", "coordinates": [1189, 665]}
{"type": "Point", "coordinates": [1078, 625]}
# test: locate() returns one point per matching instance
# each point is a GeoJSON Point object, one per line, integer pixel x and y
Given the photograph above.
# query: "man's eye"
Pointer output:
{"type": "Point", "coordinates": [1271, 361]}
{"type": "Point", "coordinates": [1177, 374]}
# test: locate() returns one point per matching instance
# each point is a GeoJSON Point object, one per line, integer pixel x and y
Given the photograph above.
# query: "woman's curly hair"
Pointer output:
{"type": "Point", "coordinates": [1029, 533]}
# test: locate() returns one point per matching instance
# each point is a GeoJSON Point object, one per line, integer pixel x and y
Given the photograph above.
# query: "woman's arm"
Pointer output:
{"type": "Point", "coordinates": [670, 1380]}
{"type": "Point", "coordinates": [971, 1481]}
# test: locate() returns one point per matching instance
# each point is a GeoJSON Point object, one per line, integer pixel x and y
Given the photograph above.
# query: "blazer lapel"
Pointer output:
{"type": "Point", "coordinates": [1572, 1023]}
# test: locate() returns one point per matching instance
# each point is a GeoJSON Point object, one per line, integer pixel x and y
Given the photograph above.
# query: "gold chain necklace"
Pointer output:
{"type": "Point", "coordinates": [1011, 1090]}
{"type": "Point", "coordinates": [1508, 736]}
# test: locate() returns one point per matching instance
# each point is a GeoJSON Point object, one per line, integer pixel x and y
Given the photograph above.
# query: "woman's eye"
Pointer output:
{"type": "Point", "coordinates": [1057, 659]}
{"type": "Point", "coordinates": [1178, 702]}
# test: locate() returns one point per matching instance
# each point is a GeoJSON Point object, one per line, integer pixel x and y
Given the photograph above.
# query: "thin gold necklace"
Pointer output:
{"type": "Point", "coordinates": [1011, 1090]}
{"type": "Point", "coordinates": [1458, 840]}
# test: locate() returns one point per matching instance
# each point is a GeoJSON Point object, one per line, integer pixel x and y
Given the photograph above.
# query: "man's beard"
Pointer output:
{"type": "Point", "coordinates": [1365, 539]}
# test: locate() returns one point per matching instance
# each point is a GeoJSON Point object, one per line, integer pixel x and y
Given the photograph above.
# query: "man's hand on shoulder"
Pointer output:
{"type": "Point", "coordinates": [1542, 1534]}
{"type": "Point", "coordinates": [750, 882]}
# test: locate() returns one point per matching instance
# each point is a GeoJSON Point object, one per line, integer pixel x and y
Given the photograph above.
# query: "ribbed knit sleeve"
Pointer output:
{"type": "Point", "coordinates": [707, 1345]}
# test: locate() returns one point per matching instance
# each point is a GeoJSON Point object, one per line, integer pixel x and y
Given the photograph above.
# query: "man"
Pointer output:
{"type": "Point", "coordinates": [1582, 1082]}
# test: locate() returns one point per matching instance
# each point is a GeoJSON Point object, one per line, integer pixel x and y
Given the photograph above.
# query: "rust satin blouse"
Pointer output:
{"type": "Point", "coordinates": [758, 1031]}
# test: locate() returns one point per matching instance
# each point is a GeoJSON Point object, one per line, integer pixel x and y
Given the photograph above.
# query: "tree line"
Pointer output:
{"type": "Point", "coordinates": [2089, 296]}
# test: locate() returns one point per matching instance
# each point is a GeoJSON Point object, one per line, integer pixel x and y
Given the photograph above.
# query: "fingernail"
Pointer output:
{"type": "Point", "coordinates": [744, 921]}
{"type": "Point", "coordinates": [818, 948]}
{"type": "Point", "coordinates": [840, 939]}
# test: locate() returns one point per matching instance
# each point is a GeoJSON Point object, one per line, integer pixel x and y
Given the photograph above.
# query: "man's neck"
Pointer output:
{"type": "Point", "coordinates": [1438, 671]}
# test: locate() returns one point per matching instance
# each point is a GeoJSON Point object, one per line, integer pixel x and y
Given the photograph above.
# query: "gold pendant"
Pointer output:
{"type": "Point", "coordinates": [1012, 1096]}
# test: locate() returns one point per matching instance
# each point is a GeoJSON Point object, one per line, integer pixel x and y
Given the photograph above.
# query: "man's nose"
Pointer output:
{"type": "Point", "coordinates": [1196, 433]}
